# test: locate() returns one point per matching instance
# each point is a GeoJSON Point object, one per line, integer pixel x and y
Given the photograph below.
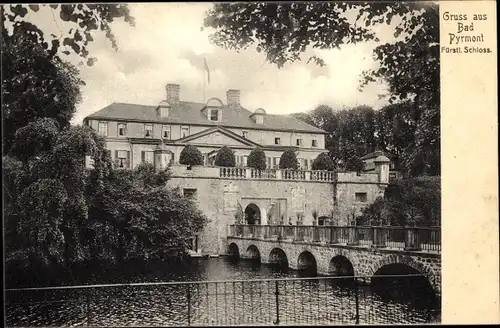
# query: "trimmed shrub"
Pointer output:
{"type": "Point", "coordinates": [257, 159]}
{"type": "Point", "coordinates": [225, 157]}
{"type": "Point", "coordinates": [323, 162]}
{"type": "Point", "coordinates": [288, 160]}
{"type": "Point", "coordinates": [354, 164]}
{"type": "Point", "coordinates": [190, 155]}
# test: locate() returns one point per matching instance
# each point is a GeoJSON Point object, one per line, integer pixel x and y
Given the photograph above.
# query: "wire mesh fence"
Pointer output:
{"type": "Point", "coordinates": [292, 301]}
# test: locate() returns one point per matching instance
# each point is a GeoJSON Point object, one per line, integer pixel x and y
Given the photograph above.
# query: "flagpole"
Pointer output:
{"type": "Point", "coordinates": [204, 85]}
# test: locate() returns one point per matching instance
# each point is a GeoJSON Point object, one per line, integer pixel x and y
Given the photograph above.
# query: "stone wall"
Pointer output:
{"type": "Point", "coordinates": [365, 261]}
{"type": "Point", "coordinates": [220, 197]}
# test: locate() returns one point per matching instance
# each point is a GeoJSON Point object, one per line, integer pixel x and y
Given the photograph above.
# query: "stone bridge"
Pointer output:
{"type": "Point", "coordinates": [338, 259]}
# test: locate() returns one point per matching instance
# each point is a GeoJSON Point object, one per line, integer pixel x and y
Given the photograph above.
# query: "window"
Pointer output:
{"type": "Point", "coordinates": [268, 159]}
{"type": "Point", "coordinates": [184, 131]}
{"type": "Point", "coordinates": [166, 132]}
{"type": "Point", "coordinates": [314, 143]}
{"type": "Point", "coordinates": [147, 157]}
{"type": "Point", "coordinates": [277, 141]}
{"type": "Point", "coordinates": [276, 162]}
{"type": "Point", "coordinates": [103, 129]}
{"type": "Point", "coordinates": [190, 193]}
{"type": "Point", "coordinates": [245, 160]}
{"type": "Point", "coordinates": [148, 130]}
{"type": "Point", "coordinates": [122, 158]}
{"type": "Point", "coordinates": [259, 119]}
{"type": "Point", "coordinates": [299, 142]}
{"type": "Point", "coordinates": [164, 111]}
{"type": "Point", "coordinates": [214, 115]}
{"type": "Point", "coordinates": [245, 134]}
{"type": "Point", "coordinates": [360, 197]}
{"type": "Point", "coordinates": [121, 129]}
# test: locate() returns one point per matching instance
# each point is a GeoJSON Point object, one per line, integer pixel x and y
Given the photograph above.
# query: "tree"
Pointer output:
{"type": "Point", "coordinates": [409, 63]}
{"type": "Point", "coordinates": [288, 160]}
{"type": "Point", "coordinates": [323, 162]}
{"type": "Point", "coordinates": [225, 157]}
{"type": "Point", "coordinates": [354, 164]}
{"type": "Point", "coordinates": [36, 81]}
{"type": "Point", "coordinates": [190, 155]}
{"type": "Point", "coordinates": [257, 159]}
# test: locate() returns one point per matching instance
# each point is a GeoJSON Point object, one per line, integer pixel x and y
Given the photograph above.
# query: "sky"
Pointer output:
{"type": "Point", "coordinates": [167, 45]}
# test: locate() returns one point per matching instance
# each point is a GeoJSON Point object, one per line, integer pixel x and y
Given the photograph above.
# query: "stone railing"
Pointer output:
{"type": "Point", "coordinates": [232, 172]}
{"type": "Point", "coordinates": [179, 170]}
{"type": "Point", "coordinates": [401, 238]}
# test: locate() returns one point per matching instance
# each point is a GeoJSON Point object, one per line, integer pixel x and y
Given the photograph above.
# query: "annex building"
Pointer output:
{"type": "Point", "coordinates": [157, 134]}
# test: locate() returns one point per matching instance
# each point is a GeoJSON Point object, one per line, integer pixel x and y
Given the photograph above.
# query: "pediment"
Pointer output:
{"type": "Point", "coordinates": [218, 137]}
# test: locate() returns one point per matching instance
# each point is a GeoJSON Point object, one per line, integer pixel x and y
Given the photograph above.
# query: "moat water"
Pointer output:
{"type": "Point", "coordinates": [312, 301]}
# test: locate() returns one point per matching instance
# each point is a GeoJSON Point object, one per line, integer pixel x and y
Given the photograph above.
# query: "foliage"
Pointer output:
{"type": "Point", "coordinates": [35, 86]}
{"type": "Point", "coordinates": [288, 160]}
{"type": "Point", "coordinates": [84, 19]}
{"type": "Point", "coordinates": [190, 155]}
{"type": "Point", "coordinates": [257, 159]}
{"type": "Point", "coordinates": [409, 64]}
{"type": "Point", "coordinates": [323, 162]}
{"type": "Point", "coordinates": [354, 164]}
{"type": "Point", "coordinates": [225, 157]}
{"type": "Point", "coordinates": [36, 81]}
{"type": "Point", "coordinates": [413, 201]}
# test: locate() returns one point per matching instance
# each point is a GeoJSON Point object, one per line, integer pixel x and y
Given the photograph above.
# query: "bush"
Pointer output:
{"type": "Point", "coordinates": [190, 155]}
{"type": "Point", "coordinates": [257, 159]}
{"type": "Point", "coordinates": [323, 162]}
{"type": "Point", "coordinates": [288, 160]}
{"type": "Point", "coordinates": [225, 157]}
{"type": "Point", "coordinates": [355, 164]}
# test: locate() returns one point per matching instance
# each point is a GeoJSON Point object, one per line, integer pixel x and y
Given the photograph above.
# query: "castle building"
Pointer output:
{"type": "Point", "coordinates": [133, 131]}
{"type": "Point", "coordinates": [157, 134]}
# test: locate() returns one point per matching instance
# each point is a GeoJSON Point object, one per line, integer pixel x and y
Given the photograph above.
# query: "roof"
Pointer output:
{"type": "Point", "coordinates": [378, 153]}
{"type": "Point", "coordinates": [185, 112]}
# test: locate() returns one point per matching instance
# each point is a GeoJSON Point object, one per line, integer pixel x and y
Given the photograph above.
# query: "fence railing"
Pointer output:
{"type": "Point", "coordinates": [404, 238]}
{"type": "Point", "coordinates": [318, 300]}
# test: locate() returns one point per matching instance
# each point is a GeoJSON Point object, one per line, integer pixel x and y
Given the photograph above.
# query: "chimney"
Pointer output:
{"type": "Point", "coordinates": [233, 97]}
{"type": "Point", "coordinates": [173, 93]}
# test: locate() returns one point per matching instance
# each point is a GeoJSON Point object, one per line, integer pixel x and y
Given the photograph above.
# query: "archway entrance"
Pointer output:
{"type": "Point", "coordinates": [252, 214]}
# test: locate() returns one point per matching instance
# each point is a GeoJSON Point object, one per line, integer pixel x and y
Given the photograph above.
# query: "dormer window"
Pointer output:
{"type": "Point", "coordinates": [258, 116]}
{"type": "Point", "coordinates": [163, 109]}
{"type": "Point", "coordinates": [214, 115]}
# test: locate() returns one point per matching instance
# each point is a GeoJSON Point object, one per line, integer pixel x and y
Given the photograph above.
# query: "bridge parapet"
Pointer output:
{"type": "Point", "coordinates": [416, 239]}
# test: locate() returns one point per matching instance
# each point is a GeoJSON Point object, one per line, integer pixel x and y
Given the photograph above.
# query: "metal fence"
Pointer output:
{"type": "Point", "coordinates": [403, 238]}
{"type": "Point", "coordinates": [291, 301]}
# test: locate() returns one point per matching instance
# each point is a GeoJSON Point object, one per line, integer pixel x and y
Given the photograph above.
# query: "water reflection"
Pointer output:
{"type": "Point", "coordinates": [306, 301]}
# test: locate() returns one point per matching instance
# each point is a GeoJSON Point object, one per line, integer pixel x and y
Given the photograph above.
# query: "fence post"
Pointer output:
{"type": "Point", "coordinates": [352, 236]}
{"type": "Point", "coordinates": [357, 299]}
{"type": "Point", "coordinates": [189, 303]}
{"type": "Point", "coordinates": [277, 322]}
{"type": "Point", "coordinates": [88, 307]}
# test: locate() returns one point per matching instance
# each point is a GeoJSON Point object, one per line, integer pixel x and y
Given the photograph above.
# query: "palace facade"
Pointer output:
{"type": "Point", "coordinates": [157, 134]}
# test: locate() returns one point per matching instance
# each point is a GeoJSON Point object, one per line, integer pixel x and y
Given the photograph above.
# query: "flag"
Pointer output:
{"type": "Point", "coordinates": [208, 70]}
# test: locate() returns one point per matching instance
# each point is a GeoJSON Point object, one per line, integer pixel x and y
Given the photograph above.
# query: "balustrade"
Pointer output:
{"type": "Point", "coordinates": [250, 173]}
{"type": "Point", "coordinates": [402, 238]}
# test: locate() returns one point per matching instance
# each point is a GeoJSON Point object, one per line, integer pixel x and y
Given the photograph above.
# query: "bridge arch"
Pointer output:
{"type": "Point", "coordinates": [340, 266]}
{"type": "Point", "coordinates": [233, 251]}
{"type": "Point", "coordinates": [307, 262]}
{"type": "Point", "coordinates": [398, 264]}
{"type": "Point", "coordinates": [278, 257]}
{"type": "Point", "coordinates": [252, 253]}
